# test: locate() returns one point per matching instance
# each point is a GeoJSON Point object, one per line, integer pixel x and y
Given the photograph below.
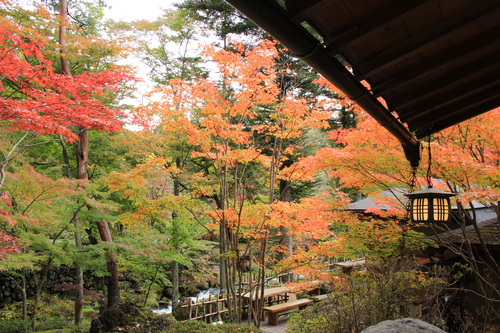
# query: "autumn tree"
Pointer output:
{"type": "Point", "coordinates": [234, 175]}
{"type": "Point", "coordinates": [36, 99]}
{"type": "Point", "coordinates": [42, 98]}
{"type": "Point", "coordinates": [155, 203]}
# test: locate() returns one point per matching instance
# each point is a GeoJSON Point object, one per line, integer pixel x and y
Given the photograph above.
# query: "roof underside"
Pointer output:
{"type": "Point", "coordinates": [434, 63]}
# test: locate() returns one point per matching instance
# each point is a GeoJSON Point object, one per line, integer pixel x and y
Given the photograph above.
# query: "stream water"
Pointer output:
{"type": "Point", "coordinates": [166, 307]}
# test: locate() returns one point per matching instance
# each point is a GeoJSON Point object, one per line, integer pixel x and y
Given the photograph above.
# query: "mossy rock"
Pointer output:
{"type": "Point", "coordinates": [179, 312]}
{"type": "Point", "coordinates": [118, 316]}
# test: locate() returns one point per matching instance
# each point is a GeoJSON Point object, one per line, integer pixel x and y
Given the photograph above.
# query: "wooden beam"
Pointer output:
{"type": "Point", "coordinates": [298, 14]}
{"type": "Point", "coordinates": [433, 96]}
{"type": "Point", "coordinates": [463, 109]}
{"type": "Point", "coordinates": [377, 22]}
{"type": "Point", "coordinates": [466, 114]}
{"type": "Point", "coordinates": [432, 66]}
{"type": "Point", "coordinates": [427, 38]}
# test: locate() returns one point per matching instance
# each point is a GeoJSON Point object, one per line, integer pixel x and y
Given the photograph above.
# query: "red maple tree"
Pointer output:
{"type": "Point", "coordinates": [33, 97]}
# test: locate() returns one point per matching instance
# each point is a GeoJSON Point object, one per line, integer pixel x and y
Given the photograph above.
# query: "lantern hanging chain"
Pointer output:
{"type": "Point", "coordinates": [428, 175]}
{"type": "Point", "coordinates": [413, 178]}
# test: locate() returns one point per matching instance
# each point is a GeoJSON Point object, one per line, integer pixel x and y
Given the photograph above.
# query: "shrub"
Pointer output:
{"type": "Point", "coordinates": [386, 290]}
{"type": "Point", "coordinates": [14, 326]}
{"type": "Point", "coordinates": [201, 327]}
{"type": "Point", "coordinates": [192, 326]}
{"type": "Point", "coordinates": [239, 328]}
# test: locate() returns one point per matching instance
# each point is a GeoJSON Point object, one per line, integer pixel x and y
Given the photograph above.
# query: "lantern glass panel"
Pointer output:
{"type": "Point", "coordinates": [441, 209]}
{"type": "Point", "coordinates": [420, 209]}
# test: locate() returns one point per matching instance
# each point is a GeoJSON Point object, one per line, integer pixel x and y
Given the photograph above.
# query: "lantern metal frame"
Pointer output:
{"type": "Point", "coordinates": [429, 205]}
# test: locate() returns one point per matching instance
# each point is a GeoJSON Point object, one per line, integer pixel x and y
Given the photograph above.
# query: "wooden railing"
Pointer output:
{"type": "Point", "coordinates": [211, 309]}
{"type": "Point", "coordinates": [207, 309]}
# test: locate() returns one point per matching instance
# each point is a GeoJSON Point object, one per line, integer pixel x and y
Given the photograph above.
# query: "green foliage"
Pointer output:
{"type": "Point", "coordinates": [155, 41]}
{"type": "Point", "coordinates": [14, 325]}
{"type": "Point", "coordinates": [201, 327]}
{"type": "Point", "coordinates": [55, 315]}
{"type": "Point", "coordinates": [220, 18]}
{"type": "Point", "coordinates": [234, 328]}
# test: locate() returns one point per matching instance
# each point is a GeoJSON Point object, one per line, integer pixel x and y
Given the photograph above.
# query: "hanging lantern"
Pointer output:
{"type": "Point", "coordinates": [430, 206]}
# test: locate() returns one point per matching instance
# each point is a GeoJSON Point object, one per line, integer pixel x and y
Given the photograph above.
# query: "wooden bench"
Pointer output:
{"type": "Point", "coordinates": [318, 298]}
{"type": "Point", "coordinates": [280, 309]}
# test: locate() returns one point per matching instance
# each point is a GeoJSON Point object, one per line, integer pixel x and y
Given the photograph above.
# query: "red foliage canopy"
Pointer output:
{"type": "Point", "coordinates": [35, 98]}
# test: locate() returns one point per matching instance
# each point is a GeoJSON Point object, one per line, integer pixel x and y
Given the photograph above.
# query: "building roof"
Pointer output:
{"type": "Point", "coordinates": [426, 64]}
{"type": "Point", "coordinates": [379, 201]}
{"type": "Point", "coordinates": [490, 232]}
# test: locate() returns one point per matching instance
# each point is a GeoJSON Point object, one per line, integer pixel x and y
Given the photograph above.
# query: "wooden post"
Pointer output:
{"type": "Point", "coordinates": [196, 309]}
{"type": "Point", "coordinates": [210, 308]}
{"type": "Point", "coordinates": [217, 308]}
{"type": "Point", "coordinates": [190, 309]}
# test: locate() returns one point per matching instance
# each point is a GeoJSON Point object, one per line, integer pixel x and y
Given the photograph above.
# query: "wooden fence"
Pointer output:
{"type": "Point", "coordinates": [211, 309]}
{"type": "Point", "coordinates": [208, 309]}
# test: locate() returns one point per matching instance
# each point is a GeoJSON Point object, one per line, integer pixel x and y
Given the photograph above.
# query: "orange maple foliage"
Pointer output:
{"type": "Point", "coordinates": [239, 125]}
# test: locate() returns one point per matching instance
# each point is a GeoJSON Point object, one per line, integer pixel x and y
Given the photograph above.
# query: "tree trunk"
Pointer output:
{"type": "Point", "coordinates": [23, 291]}
{"type": "Point", "coordinates": [82, 162]}
{"type": "Point", "coordinates": [175, 234]}
{"type": "Point", "coordinates": [79, 277]}
{"type": "Point", "coordinates": [175, 282]}
{"type": "Point", "coordinates": [113, 286]}
{"type": "Point", "coordinates": [39, 287]}
{"type": "Point", "coordinates": [286, 239]}
{"type": "Point", "coordinates": [82, 153]}
{"type": "Point", "coordinates": [63, 4]}
{"type": "Point", "coordinates": [63, 16]}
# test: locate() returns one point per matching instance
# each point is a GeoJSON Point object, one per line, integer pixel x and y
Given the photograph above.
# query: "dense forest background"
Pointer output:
{"type": "Point", "coordinates": [239, 160]}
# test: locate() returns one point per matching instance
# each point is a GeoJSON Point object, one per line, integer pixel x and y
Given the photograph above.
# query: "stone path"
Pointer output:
{"type": "Point", "coordinates": [265, 327]}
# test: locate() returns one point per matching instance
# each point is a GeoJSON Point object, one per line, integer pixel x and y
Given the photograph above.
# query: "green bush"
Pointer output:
{"type": "Point", "coordinates": [14, 326]}
{"type": "Point", "coordinates": [51, 323]}
{"type": "Point", "coordinates": [192, 326]}
{"type": "Point", "coordinates": [239, 328]}
{"type": "Point", "coordinates": [201, 327]}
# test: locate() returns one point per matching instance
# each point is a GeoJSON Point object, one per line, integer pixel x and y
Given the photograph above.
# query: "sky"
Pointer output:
{"type": "Point", "coordinates": [129, 10]}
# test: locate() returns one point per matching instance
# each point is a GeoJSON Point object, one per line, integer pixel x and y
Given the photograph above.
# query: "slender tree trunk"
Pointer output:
{"type": "Point", "coordinates": [79, 277]}
{"type": "Point", "coordinates": [286, 239]}
{"type": "Point", "coordinates": [82, 154]}
{"type": "Point", "coordinates": [82, 162]}
{"type": "Point", "coordinates": [23, 291]}
{"type": "Point", "coordinates": [63, 16]}
{"type": "Point", "coordinates": [113, 286]}
{"type": "Point", "coordinates": [175, 282]}
{"type": "Point", "coordinates": [63, 4]}
{"type": "Point", "coordinates": [39, 287]}
{"type": "Point", "coordinates": [151, 285]}
{"type": "Point", "coordinates": [175, 234]}
{"type": "Point", "coordinates": [67, 164]}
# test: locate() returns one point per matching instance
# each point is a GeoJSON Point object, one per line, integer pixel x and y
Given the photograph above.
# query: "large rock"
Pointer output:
{"type": "Point", "coordinates": [406, 325]}
{"type": "Point", "coordinates": [114, 317]}
{"type": "Point", "coordinates": [126, 318]}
